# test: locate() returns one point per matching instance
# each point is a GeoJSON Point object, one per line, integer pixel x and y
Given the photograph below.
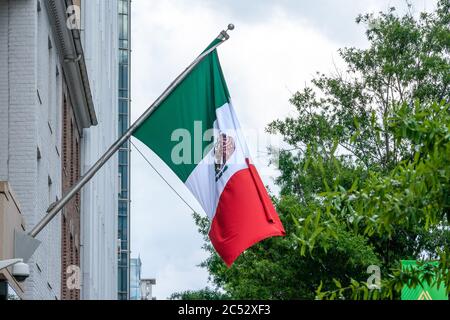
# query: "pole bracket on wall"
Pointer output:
{"type": "Point", "coordinates": [24, 245]}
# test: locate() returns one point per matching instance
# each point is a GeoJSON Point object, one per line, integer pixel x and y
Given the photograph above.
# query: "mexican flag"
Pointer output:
{"type": "Point", "coordinates": [195, 131]}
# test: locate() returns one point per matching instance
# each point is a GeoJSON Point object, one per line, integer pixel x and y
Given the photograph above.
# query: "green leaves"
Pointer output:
{"type": "Point", "coordinates": [413, 196]}
{"type": "Point", "coordinates": [204, 294]}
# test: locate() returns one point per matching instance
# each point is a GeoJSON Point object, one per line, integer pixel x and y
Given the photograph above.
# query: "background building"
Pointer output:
{"type": "Point", "coordinates": [147, 289]}
{"type": "Point", "coordinates": [100, 196]}
{"type": "Point", "coordinates": [124, 38]}
{"type": "Point", "coordinates": [135, 278]}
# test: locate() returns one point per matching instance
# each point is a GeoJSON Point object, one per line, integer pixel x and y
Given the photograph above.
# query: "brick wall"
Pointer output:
{"type": "Point", "coordinates": [70, 228]}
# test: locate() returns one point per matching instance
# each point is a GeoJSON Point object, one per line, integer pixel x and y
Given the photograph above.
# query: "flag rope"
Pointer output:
{"type": "Point", "coordinates": [162, 177]}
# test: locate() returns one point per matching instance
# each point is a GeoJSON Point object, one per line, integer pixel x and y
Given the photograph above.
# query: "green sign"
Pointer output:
{"type": "Point", "coordinates": [424, 292]}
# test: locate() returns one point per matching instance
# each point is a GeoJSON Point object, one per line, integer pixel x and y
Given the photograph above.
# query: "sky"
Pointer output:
{"type": "Point", "coordinates": [275, 50]}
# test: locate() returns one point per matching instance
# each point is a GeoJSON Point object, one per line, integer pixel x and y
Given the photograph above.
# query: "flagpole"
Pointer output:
{"type": "Point", "coordinates": [56, 207]}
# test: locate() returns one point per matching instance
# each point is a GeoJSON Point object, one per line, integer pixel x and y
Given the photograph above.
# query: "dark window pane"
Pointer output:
{"type": "Point", "coordinates": [123, 44]}
{"type": "Point", "coordinates": [123, 57]}
{"type": "Point", "coordinates": [123, 157]}
{"type": "Point", "coordinates": [123, 124]}
{"type": "Point", "coordinates": [123, 77]}
{"type": "Point", "coordinates": [123, 206]}
{"type": "Point", "coordinates": [123, 106]}
{"type": "Point", "coordinates": [123, 227]}
{"type": "Point", "coordinates": [123, 279]}
{"type": "Point", "coordinates": [123, 27]}
{"type": "Point", "coordinates": [123, 93]}
{"type": "Point", "coordinates": [123, 7]}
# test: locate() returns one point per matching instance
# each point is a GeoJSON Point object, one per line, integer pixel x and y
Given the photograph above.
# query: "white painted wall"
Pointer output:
{"type": "Point", "coordinates": [28, 66]}
{"type": "Point", "coordinates": [100, 196]}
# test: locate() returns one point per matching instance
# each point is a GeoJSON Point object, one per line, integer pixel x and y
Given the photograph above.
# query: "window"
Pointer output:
{"type": "Point", "coordinates": [123, 31]}
{"type": "Point", "coordinates": [123, 93]}
{"type": "Point", "coordinates": [123, 57]}
{"type": "Point", "coordinates": [123, 7]}
{"type": "Point", "coordinates": [123, 228]}
{"type": "Point", "coordinates": [123, 106]}
{"type": "Point", "coordinates": [123, 157]}
{"type": "Point", "coordinates": [123, 124]}
{"type": "Point", "coordinates": [123, 77]}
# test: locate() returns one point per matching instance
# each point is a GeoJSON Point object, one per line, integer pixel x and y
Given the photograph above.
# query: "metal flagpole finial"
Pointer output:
{"type": "Point", "coordinates": [230, 27]}
{"type": "Point", "coordinates": [224, 34]}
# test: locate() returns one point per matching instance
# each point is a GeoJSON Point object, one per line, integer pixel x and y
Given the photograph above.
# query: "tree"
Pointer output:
{"type": "Point", "coordinates": [414, 195]}
{"type": "Point", "coordinates": [204, 294]}
{"type": "Point", "coordinates": [366, 178]}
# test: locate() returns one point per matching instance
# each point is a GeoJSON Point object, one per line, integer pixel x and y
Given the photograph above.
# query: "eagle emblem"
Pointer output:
{"type": "Point", "coordinates": [223, 150]}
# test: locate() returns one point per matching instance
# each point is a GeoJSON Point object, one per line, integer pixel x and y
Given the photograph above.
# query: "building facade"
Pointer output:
{"type": "Point", "coordinates": [100, 196]}
{"type": "Point", "coordinates": [124, 100]}
{"type": "Point", "coordinates": [52, 74]}
{"type": "Point", "coordinates": [147, 289]}
{"type": "Point", "coordinates": [42, 71]}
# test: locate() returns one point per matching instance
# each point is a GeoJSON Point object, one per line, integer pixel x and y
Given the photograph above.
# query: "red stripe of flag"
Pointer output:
{"type": "Point", "coordinates": [245, 216]}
